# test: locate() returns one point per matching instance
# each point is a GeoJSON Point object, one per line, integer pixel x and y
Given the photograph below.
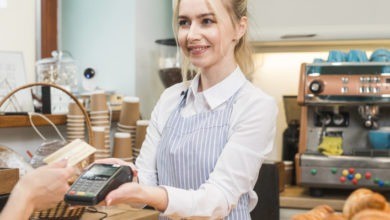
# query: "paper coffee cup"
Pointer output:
{"type": "Point", "coordinates": [98, 140]}
{"type": "Point", "coordinates": [99, 102]}
{"type": "Point", "coordinates": [74, 109]}
{"type": "Point", "coordinates": [122, 145]}
{"type": "Point", "coordinates": [142, 125]}
{"type": "Point", "coordinates": [130, 111]}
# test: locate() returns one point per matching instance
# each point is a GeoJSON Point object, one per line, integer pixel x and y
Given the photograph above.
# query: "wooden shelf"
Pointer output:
{"type": "Point", "coordinates": [8, 121]}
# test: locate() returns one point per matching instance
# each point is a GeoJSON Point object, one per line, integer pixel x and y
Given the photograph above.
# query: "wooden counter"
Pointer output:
{"type": "Point", "coordinates": [121, 212]}
{"type": "Point", "coordinates": [299, 198]}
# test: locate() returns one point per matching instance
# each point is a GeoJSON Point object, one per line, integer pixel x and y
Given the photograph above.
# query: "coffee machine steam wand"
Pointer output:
{"type": "Point", "coordinates": [369, 113]}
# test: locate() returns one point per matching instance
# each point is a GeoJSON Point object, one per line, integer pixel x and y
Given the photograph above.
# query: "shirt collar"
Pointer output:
{"type": "Point", "coordinates": [221, 91]}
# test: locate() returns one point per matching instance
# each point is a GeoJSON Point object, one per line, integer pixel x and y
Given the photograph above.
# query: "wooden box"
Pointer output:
{"type": "Point", "coordinates": [8, 178]}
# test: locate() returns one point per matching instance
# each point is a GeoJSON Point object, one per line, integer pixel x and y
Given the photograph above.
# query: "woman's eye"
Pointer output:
{"type": "Point", "coordinates": [208, 21]}
{"type": "Point", "coordinates": [183, 22]}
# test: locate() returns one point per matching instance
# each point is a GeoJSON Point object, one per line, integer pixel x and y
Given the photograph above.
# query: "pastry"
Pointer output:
{"type": "Point", "coordinates": [317, 213]}
{"type": "Point", "coordinates": [363, 199]}
{"type": "Point", "coordinates": [11, 159]}
{"type": "Point", "coordinates": [336, 216]}
{"type": "Point", "coordinates": [371, 214]}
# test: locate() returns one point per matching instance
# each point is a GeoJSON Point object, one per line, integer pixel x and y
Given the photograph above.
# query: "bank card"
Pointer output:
{"type": "Point", "coordinates": [75, 152]}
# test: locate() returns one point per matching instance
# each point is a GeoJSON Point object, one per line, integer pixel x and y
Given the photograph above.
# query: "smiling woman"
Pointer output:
{"type": "Point", "coordinates": [207, 137]}
{"type": "Point", "coordinates": [234, 17]}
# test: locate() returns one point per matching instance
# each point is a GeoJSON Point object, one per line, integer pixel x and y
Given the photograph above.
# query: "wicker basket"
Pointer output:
{"type": "Point", "coordinates": [62, 210]}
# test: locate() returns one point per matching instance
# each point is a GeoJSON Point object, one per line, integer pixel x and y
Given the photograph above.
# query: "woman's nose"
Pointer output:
{"type": "Point", "coordinates": [193, 32]}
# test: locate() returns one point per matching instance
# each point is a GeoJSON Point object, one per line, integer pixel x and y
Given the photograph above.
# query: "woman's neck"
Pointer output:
{"type": "Point", "coordinates": [209, 77]}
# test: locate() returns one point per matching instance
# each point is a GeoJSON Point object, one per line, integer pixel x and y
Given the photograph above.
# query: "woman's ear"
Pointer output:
{"type": "Point", "coordinates": [242, 27]}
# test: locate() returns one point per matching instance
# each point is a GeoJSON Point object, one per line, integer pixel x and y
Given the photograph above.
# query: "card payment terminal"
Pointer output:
{"type": "Point", "coordinates": [94, 184]}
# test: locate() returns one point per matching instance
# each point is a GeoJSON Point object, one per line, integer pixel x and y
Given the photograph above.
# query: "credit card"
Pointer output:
{"type": "Point", "coordinates": [75, 152]}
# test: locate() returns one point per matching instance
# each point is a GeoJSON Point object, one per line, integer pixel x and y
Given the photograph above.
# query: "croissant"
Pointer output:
{"type": "Point", "coordinates": [317, 213]}
{"type": "Point", "coordinates": [371, 214]}
{"type": "Point", "coordinates": [336, 216]}
{"type": "Point", "coordinates": [363, 199]}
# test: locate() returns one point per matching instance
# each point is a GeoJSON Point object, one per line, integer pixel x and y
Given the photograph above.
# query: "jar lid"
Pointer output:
{"type": "Point", "coordinates": [62, 57]}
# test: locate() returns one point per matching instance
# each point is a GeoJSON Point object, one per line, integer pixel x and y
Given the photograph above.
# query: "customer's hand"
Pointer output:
{"type": "Point", "coordinates": [45, 186]}
{"type": "Point", "coordinates": [39, 189]}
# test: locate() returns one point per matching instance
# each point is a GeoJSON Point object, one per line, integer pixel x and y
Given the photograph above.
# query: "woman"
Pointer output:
{"type": "Point", "coordinates": [207, 138]}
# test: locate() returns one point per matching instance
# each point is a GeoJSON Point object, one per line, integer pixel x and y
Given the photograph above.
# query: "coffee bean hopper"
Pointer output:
{"type": "Point", "coordinates": [168, 62]}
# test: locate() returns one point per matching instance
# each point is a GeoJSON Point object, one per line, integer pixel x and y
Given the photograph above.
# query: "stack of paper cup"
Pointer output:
{"type": "Point", "coordinates": [142, 125]}
{"type": "Point", "coordinates": [75, 128]}
{"type": "Point", "coordinates": [98, 142]}
{"type": "Point", "coordinates": [128, 117]}
{"type": "Point", "coordinates": [99, 115]}
{"type": "Point", "coordinates": [122, 147]}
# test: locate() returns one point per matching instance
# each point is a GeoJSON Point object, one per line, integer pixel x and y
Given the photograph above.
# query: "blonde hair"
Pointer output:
{"type": "Point", "coordinates": [242, 51]}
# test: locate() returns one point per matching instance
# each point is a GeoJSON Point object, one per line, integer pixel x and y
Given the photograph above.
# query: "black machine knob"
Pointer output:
{"type": "Point", "coordinates": [316, 86]}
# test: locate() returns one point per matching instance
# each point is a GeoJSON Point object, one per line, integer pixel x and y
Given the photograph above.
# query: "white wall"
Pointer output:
{"type": "Point", "coordinates": [278, 74]}
{"type": "Point", "coordinates": [153, 21]}
{"type": "Point", "coordinates": [116, 38]}
{"type": "Point", "coordinates": [17, 31]}
{"type": "Point", "coordinates": [100, 34]}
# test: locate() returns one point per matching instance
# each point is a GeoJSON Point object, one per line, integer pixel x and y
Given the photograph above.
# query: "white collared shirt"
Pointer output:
{"type": "Point", "coordinates": [250, 138]}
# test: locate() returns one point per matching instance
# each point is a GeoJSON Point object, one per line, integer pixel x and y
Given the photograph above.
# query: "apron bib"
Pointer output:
{"type": "Point", "coordinates": [190, 147]}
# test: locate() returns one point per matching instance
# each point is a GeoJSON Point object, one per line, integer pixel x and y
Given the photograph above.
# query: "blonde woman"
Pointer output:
{"type": "Point", "coordinates": [208, 137]}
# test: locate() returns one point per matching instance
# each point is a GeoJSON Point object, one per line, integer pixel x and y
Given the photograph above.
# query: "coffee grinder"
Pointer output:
{"type": "Point", "coordinates": [341, 103]}
{"type": "Point", "coordinates": [168, 62]}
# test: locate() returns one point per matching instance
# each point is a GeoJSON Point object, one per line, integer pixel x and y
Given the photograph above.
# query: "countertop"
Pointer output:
{"type": "Point", "coordinates": [296, 197]}
{"type": "Point", "coordinates": [120, 212]}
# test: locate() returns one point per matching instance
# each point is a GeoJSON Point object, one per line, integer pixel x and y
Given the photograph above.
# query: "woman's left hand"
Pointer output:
{"type": "Point", "coordinates": [125, 193]}
{"type": "Point", "coordinates": [136, 194]}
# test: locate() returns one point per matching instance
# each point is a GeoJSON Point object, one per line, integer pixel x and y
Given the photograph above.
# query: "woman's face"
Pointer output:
{"type": "Point", "coordinates": [207, 41]}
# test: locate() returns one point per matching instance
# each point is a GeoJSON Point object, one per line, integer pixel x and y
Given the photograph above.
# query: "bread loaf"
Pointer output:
{"type": "Point", "coordinates": [371, 214]}
{"type": "Point", "coordinates": [317, 213]}
{"type": "Point", "coordinates": [363, 199]}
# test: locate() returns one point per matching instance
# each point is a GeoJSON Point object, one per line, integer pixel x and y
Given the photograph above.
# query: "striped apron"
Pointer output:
{"type": "Point", "coordinates": [189, 150]}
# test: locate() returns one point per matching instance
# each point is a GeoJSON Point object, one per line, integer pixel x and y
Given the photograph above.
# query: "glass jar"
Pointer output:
{"type": "Point", "coordinates": [60, 69]}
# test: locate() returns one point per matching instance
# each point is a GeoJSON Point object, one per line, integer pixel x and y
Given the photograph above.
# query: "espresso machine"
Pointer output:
{"type": "Point", "coordinates": [341, 103]}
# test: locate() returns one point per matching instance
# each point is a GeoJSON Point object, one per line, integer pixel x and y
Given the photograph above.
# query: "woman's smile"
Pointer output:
{"type": "Point", "coordinates": [197, 50]}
